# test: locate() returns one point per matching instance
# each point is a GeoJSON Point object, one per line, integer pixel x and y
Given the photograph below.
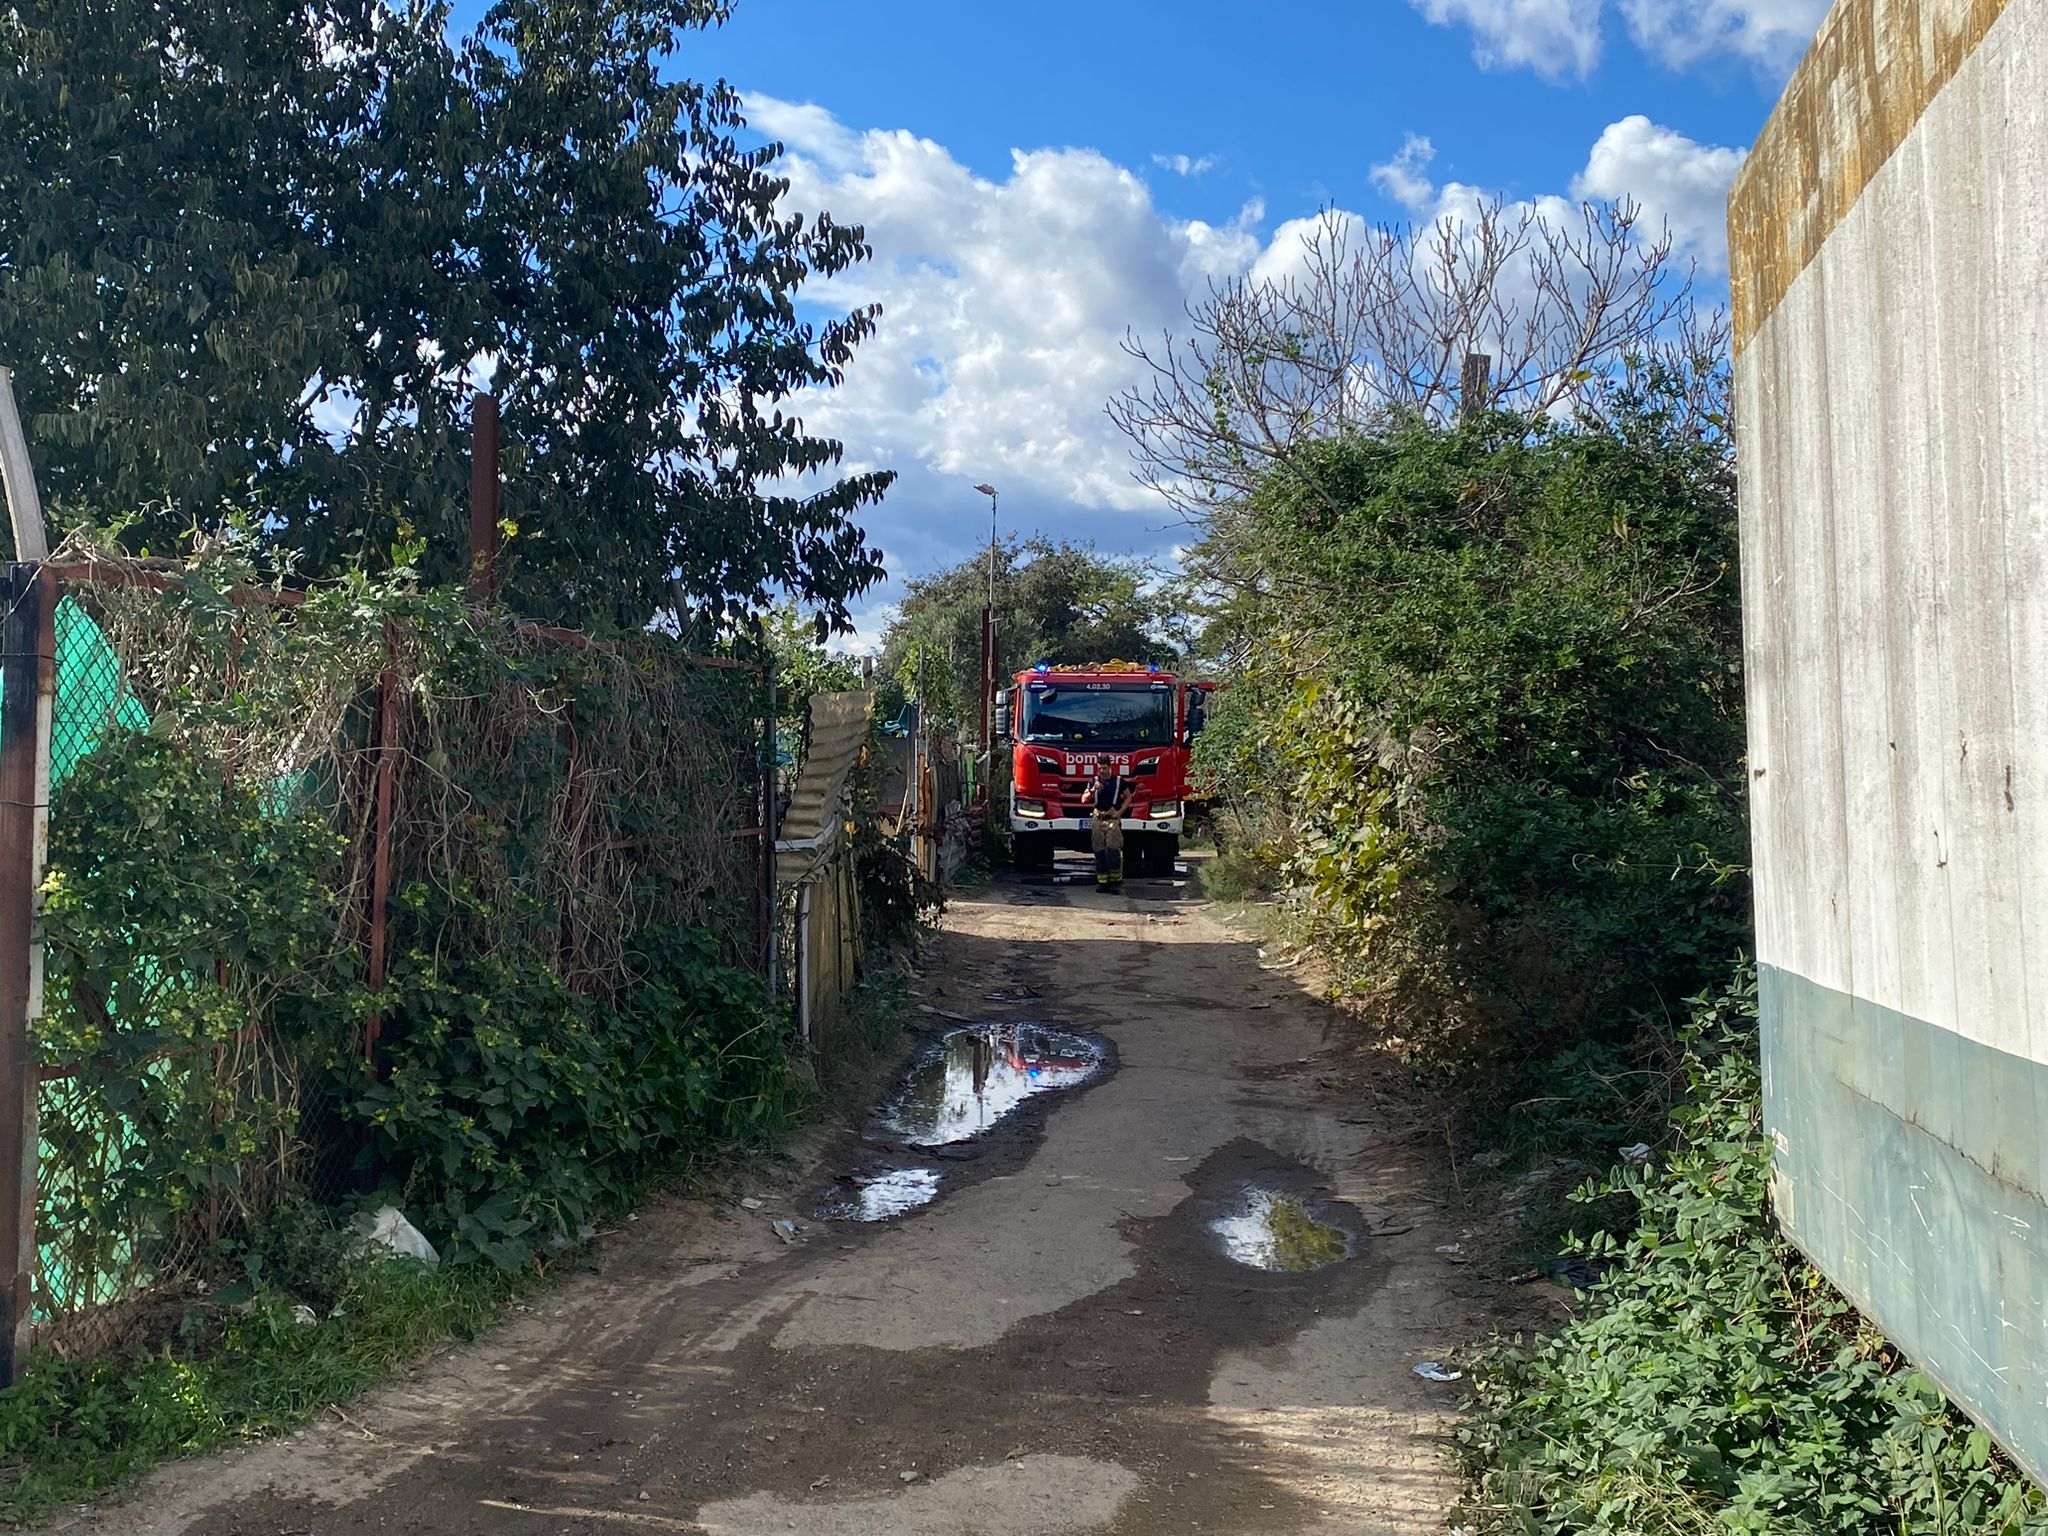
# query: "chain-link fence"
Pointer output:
{"type": "Point", "coordinates": [259, 803]}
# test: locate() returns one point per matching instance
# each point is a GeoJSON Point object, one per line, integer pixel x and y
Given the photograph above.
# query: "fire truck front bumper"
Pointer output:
{"type": "Point", "coordinates": [1080, 826]}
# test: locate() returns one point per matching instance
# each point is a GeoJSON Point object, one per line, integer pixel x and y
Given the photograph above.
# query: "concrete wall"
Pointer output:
{"type": "Point", "coordinates": [1889, 240]}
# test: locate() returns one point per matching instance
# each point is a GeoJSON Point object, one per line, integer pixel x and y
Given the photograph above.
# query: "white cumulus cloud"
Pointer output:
{"type": "Point", "coordinates": [1006, 298]}
{"type": "Point", "coordinates": [1675, 182]}
{"type": "Point", "coordinates": [1553, 37]}
{"type": "Point", "coordinates": [1185, 165]}
{"type": "Point", "coordinates": [1405, 178]}
{"type": "Point", "coordinates": [1562, 39]}
{"type": "Point", "coordinates": [806, 125]}
{"type": "Point", "coordinates": [1004, 304]}
{"type": "Point", "coordinates": [1768, 33]}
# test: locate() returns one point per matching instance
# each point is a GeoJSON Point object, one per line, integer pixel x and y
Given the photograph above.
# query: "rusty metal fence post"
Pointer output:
{"type": "Point", "coordinates": [27, 677]}
{"type": "Point", "coordinates": [385, 728]}
{"type": "Point", "coordinates": [767, 898]}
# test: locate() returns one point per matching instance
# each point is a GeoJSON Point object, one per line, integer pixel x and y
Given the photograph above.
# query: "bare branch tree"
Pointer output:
{"type": "Point", "coordinates": [1374, 325]}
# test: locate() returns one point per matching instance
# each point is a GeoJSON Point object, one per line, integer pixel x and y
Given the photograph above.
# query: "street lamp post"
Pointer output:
{"type": "Point", "coordinates": [988, 658]}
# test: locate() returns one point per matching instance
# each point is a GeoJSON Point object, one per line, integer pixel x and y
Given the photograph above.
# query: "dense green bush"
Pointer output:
{"type": "Point", "coordinates": [1488, 681]}
{"type": "Point", "coordinates": [514, 1113]}
{"type": "Point", "coordinates": [1717, 1383]}
{"type": "Point", "coordinates": [182, 918]}
{"type": "Point", "coordinates": [1239, 869]}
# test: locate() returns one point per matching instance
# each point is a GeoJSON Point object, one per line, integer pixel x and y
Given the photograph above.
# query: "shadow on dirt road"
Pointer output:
{"type": "Point", "coordinates": [1055, 1340]}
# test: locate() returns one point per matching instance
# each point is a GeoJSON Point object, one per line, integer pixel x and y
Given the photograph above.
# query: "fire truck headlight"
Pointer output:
{"type": "Point", "coordinates": [1030, 807]}
{"type": "Point", "coordinates": [1162, 809]}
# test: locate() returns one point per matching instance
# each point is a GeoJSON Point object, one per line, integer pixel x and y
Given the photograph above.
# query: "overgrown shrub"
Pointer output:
{"type": "Point", "coordinates": [1489, 678]}
{"type": "Point", "coordinates": [1717, 1382]}
{"type": "Point", "coordinates": [179, 914]}
{"type": "Point", "coordinates": [514, 1113]}
{"type": "Point", "coordinates": [896, 900]}
{"type": "Point", "coordinates": [559, 1012]}
{"type": "Point", "coordinates": [1237, 873]}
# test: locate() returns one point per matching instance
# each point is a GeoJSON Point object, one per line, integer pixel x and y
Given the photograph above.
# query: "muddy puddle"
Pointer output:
{"type": "Point", "coordinates": [978, 1075]}
{"type": "Point", "coordinates": [1281, 1233]}
{"type": "Point", "coordinates": [881, 1195]}
{"type": "Point", "coordinates": [967, 1082]}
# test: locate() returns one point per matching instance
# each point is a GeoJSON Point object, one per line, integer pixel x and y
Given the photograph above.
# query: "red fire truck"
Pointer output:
{"type": "Point", "coordinates": [1062, 723]}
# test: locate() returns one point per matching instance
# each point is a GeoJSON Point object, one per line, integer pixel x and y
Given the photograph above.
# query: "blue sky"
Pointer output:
{"type": "Point", "coordinates": [1038, 180]}
{"type": "Point", "coordinates": [1294, 107]}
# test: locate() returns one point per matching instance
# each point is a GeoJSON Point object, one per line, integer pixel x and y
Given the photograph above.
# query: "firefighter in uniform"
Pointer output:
{"type": "Point", "coordinates": [1109, 801]}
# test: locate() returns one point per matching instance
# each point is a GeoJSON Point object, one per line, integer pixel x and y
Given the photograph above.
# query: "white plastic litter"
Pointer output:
{"type": "Point", "coordinates": [388, 1230]}
{"type": "Point", "coordinates": [1636, 1155]}
{"type": "Point", "coordinates": [305, 1316]}
{"type": "Point", "coordinates": [1430, 1370]}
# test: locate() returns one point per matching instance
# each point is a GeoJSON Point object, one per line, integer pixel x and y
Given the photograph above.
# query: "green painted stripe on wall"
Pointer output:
{"type": "Point", "coordinates": [1908, 1168]}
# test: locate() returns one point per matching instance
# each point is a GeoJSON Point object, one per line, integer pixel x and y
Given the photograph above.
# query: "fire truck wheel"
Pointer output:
{"type": "Point", "coordinates": [1153, 853]}
{"type": "Point", "coordinates": [1031, 852]}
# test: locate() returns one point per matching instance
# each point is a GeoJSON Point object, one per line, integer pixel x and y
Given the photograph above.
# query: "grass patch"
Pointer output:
{"type": "Point", "coordinates": [1237, 873]}
{"type": "Point", "coordinates": [860, 1053]}
{"type": "Point", "coordinates": [73, 1429]}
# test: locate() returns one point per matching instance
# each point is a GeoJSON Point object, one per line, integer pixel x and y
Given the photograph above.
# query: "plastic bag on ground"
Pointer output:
{"type": "Point", "coordinates": [386, 1229]}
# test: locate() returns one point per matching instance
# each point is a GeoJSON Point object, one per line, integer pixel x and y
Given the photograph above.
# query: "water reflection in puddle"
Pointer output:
{"type": "Point", "coordinates": [982, 1073]}
{"type": "Point", "coordinates": [1277, 1232]}
{"type": "Point", "coordinates": [879, 1196]}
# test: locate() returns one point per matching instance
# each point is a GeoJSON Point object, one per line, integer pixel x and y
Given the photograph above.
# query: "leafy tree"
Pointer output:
{"type": "Point", "coordinates": [804, 664]}
{"type": "Point", "coordinates": [1059, 602]}
{"type": "Point", "coordinates": [256, 259]}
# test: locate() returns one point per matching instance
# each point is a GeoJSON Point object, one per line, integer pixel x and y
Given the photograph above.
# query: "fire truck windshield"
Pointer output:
{"type": "Point", "coordinates": [1097, 714]}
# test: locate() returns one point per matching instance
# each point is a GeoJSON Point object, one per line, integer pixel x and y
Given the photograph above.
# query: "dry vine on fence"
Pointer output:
{"type": "Point", "coordinates": [559, 805]}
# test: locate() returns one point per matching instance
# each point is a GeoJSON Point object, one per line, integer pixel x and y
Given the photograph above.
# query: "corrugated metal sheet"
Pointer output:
{"type": "Point", "coordinates": [839, 728]}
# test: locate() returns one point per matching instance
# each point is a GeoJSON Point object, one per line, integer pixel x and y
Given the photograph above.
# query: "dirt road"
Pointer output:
{"type": "Point", "coordinates": [1059, 1342]}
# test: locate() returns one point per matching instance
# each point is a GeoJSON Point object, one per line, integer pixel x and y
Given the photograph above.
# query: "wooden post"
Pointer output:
{"type": "Point", "coordinates": [23, 719]}
{"type": "Point", "coordinates": [1475, 385]}
{"type": "Point", "coordinates": [484, 491]}
{"type": "Point", "coordinates": [805, 969]}
{"type": "Point", "coordinates": [24, 506]}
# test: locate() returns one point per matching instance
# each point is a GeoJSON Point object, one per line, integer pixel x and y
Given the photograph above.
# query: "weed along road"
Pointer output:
{"type": "Point", "coordinates": [1129, 1249]}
